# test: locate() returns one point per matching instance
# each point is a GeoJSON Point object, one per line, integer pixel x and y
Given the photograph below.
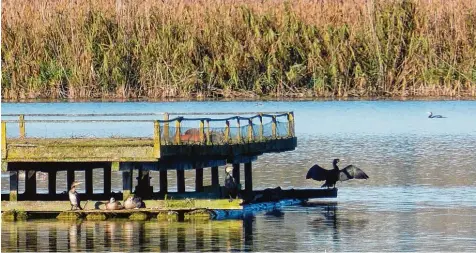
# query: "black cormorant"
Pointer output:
{"type": "Point", "coordinates": [332, 176]}
{"type": "Point", "coordinates": [230, 184]}
{"type": "Point", "coordinates": [74, 196]}
{"type": "Point", "coordinates": [431, 116]}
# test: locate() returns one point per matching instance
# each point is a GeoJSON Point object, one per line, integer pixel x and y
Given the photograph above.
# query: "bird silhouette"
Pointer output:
{"type": "Point", "coordinates": [332, 176]}
{"type": "Point", "coordinates": [431, 116]}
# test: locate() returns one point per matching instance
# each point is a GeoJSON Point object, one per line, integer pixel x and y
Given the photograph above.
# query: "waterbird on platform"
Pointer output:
{"type": "Point", "coordinates": [431, 116]}
{"type": "Point", "coordinates": [133, 202]}
{"type": "Point", "coordinates": [74, 196]}
{"type": "Point", "coordinates": [332, 176]}
{"type": "Point", "coordinates": [113, 204]}
{"type": "Point", "coordinates": [230, 184]}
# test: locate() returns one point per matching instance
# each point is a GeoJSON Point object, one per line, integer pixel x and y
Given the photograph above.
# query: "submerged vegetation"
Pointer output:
{"type": "Point", "coordinates": [246, 48]}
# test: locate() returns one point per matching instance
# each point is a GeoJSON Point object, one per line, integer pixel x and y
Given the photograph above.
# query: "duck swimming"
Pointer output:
{"type": "Point", "coordinates": [113, 205]}
{"type": "Point", "coordinates": [431, 116]}
{"type": "Point", "coordinates": [133, 202]}
{"type": "Point", "coordinates": [332, 176]}
{"type": "Point", "coordinates": [74, 196]}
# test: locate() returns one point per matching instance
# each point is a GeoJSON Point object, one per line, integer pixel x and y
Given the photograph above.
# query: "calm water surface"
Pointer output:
{"type": "Point", "coordinates": [421, 195]}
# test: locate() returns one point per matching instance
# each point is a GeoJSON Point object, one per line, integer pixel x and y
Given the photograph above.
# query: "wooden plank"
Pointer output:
{"type": "Point", "coordinates": [177, 132]}
{"type": "Point", "coordinates": [215, 179]}
{"type": "Point", "coordinates": [30, 183]}
{"type": "Point", "coordinates": [248, 177]}
{"type": "Point", "coordinates": [273, 127]}
{"type": "Point", "coordinates": [89, 181]}
{"type": "Point", "coordinates": [21, 125]}
{"type": "Point", "coordinates": [52, 182]}
{"type": "Point", "coordinates": [107, 179]}
{"type": "Point", "coordinates": [126, 183]}
{"type": "Point", "coordinates": [236, 172]}
{"type": "Point", "coordinates": [199, 180]}
{"type": "Point", "coordinates": [156, 139]}
{"type": "Point", "coordinates": [4, 139]}
{"type": "Point", "coordinates": [163, 181]}
{"type": "Point", "coordinates": [13, 185]}
{"type": "Point", "coordinates": [180, 181]}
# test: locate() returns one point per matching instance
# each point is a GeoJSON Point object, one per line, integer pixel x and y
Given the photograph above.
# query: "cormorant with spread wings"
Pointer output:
{"type": "Point", "coordinates": [331, 177]}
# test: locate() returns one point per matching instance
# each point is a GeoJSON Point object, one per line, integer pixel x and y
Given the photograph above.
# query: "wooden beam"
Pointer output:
{"type": "Point", "coordinates": [52, 182]}
{"type": "Point", "coordinates": [57, 166]}
{"type": "Point", "coordinates": [215, 180]}
{"type": "Point", "coordinates": [126, 183]}
{"type": "Point", "coordinates": [236, 172]}
{"type": "Point", "coordinates": [69, 178]}
{"type": "Point", "coordinates": [199, 180]}
{"type": "Point", "coordinates": [248, 177]}
{"type": "Point", "coordinates": [180, 181]}
{"type": "Point", "coordinates": [163, 181]}
{"type": "Point", "coordinates": [261, 131]}
{"type": "Point", "coordinates": [30, 183]}
{"type": "Point", "coordinates": [273, 127]}
{"type": "Point", "coordinates": [13, 185]}
{"type": "Point", "coordinates": [166, 128]}
{"type": "Point", "coordinates": [177, 132]}
{"type": "Point", "coordinates": [156, 139]}
{"type": "Point", "coordinates": [143, 188]}
{"type": "Point", "coordinates": [89, 181]}
{"type": "Point", "coordinates": [4, 139]}
{"type": "Point", "coordinates": [227, 131]}
{"type": "Point", "coordinates": [21, 125]}
{"type": "Point", "coordinates": [107, 179]}
{"type": "Point", "coordinates": [290, 124]}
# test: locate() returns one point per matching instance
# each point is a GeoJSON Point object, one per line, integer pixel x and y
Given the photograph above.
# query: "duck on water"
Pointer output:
{"type": "Point", "coordinates": [331, 177]}
{"type": "Point", "coordinates": [431, 116]}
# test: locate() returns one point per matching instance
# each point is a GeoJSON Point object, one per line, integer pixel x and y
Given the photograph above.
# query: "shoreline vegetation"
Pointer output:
{"type": "Point", "coordinates": [217, 49]}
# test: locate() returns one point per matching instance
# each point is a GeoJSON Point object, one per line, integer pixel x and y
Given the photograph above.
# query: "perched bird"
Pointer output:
{"type": "Point", "coordinates": [230, 184]}
{"type": "Point", "coordinates": [133, 202]}
{"type": "Point", "coordinates": [74, 196]}
{"type": "Point", "coordinates": [332, 176]}
{"type": "Point", "coordinates": [431, 116]}
{"type": "Point", "coordinates": [113, 205]}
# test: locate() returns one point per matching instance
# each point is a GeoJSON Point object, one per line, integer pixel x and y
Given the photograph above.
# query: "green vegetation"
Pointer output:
{"type": "Point", "coordinates": [217, 48]}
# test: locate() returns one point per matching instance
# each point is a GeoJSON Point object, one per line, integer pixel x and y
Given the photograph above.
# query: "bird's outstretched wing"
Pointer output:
{"type": "Point", "coordinates": [351, 172]}
{"type": "Point", "coordinates": [318, 173]}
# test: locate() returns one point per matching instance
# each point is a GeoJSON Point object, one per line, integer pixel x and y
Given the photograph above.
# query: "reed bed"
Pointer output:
{"type": "Point", "coordinates": [244, 48]}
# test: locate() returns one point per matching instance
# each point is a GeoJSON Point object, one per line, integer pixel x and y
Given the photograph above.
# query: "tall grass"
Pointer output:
{"type": "Point", "coordinates": [219, 48]}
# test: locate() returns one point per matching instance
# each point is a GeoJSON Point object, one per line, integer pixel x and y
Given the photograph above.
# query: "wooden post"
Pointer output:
{"type": "Point", "coordinates": [177, 131]}
{"type": "Point", "coordinates": [250, 130]}
{"type": "Point", "coordinates": [69, 178]}
{"type": "Point", "coordinates": [89, 181]}
{"type": "Point", "coordinates": [30, 184]}
{"type": "Point", "coordinates": [166, 128]}
{"type": "Point", "coordinates": [13, 185]}
{"type": "Point", "coordinates": [236, 172]}
{"type": "Point", "coordinates": [202, 131]}
{"type": "Point", "coordinates": [156, 139]}
{"type": "Point", "coordinates": [227, 131]}
{"type": "Point", "coordinates": [180, 181]}
{"type": "Point", "coordinates": [261, 131]}
{"type": "Point", "coordinates": [273, 126]}
{"type": "Point", "coordinates": [107, 179]}
{"type": "Point", "coordinates": [290, 124]}
{"type": "Point", "coordinates": [209, 139]}
{"type": "Point", "coordinates": [163, 181]}
{"type": "Point", "coordinates": [248, 177]}
{"type": "Point", "coordinates": [126, 183]}
{"type": "Point", "coordinates": [21, 124]}
{"type": "Point", "coordinates": [238, 137]}
{"type": "Point", "coordinates": [52, 182]}
{"type": "Point", "coordinates": [199, 180]}
{"type": "Point", "coordinates": [215, 181]}
{"type": "Point", "coordinates": [4, 139]}
{"type": "Point", "coordinates": [143, 187]}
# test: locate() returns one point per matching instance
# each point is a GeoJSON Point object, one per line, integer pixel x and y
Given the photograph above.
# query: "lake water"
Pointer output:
{"type": "Point", "coordinates": [421, 194]}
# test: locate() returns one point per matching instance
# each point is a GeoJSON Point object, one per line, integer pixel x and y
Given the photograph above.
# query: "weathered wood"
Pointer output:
{"type": "Point", "coordinates": [156, 139]}
{"type": "Point", "coordinates": [180, 181]}
{"type": "Point", "coordinates": [143, 187]}
{"type": "Point", "coordinates": [30, 183]}
{"type": "Point", "coordinates": [126, 183]}
{"type": "Point", "coordinates": [52, 182]}
{"type": "Point", "coordinates": [248, 177]}
{"type": "Point", "coordinates": [273, 127]}
{"type": "Point", "coordinates": [227, 132]}
{"type": "Point", "coordinates": [290, 124]}
{"type": "Point", "coordinates": [202, 131]}
{"type": "Point", "coordinates": [215, 179]}
{"type": "Point", "coordinates": [209, 134]}
{"type": "Point", "coordinates": [163, 181]}
{"type": "Point", "coordinates": [177, 132]}
{"type": "Point", "coordinates": [69, 178]}
{"type": "Point", "coordinates": [261, 129]}
{"type": "Point", "coordinates": [236, 172]}
{"type": "Point", "coordinates": [107, 179]}
{"type": "Point", "coordinates": [238, 126]}
{"type": "Point", "coordinates": [21, 125]}
{"type": "Point", "coordinates": [250, 131]}
{"type": "Point", "coordinates": [13, 185]}
{"type": "Point", "coordinates": [89, 181]}
{"type": "Point", "coordinates": [166, 128]}
{"type": "Point", "coordinates": [199, 180]}
{"type": "Point", "coordinates": [4, 139]}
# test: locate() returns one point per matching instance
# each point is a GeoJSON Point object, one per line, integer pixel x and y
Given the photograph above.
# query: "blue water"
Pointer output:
{"type": "Point", "coordinates": [421, 194]}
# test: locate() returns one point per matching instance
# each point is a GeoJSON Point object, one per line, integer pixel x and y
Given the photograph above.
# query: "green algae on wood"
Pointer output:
{"type": "Point", "coordinates": [168, 216]}
{"type": "Point", "coordinates": [96, 216]}
{"type": "Point", "coordinates": [139, 216]}
{"type": "Point", "coordinates": [69, 216]}
{"type": "Point", "coordinates": [200, 214]}
{"type": "Point", "coordinates": [8, 215]}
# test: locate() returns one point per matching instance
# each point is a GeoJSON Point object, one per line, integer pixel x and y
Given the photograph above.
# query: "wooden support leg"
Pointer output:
{"type": "Point", "coordinates": [180, 181]}
{"type": "Point", "coordinates": [69, 178]}
{"type": "Point", "coordinates": [126, 183]}
{"type": "Point", "coordinates": [89, 182]}
{"type": "Point", "coordinates": [236, 172]}
{"type": "Point", "coordinates": [107, 180]}
{"type": "Point", "coordinates": [199, 180]}
{"type": "Point", "coordinates": [13, 185]}
{"type": "Point", "coordinates": [143, 187]}
{"type": "Point", "coordinates": [163, 181]}
{"type": "Point", "coordinates": [248, 177]}
{"type": "Point", "coordinates": [30, 184]}
{"type": "Point", "coordinates": [215, 181]}
{"type": "Point", "coordinates": [52, 182]}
